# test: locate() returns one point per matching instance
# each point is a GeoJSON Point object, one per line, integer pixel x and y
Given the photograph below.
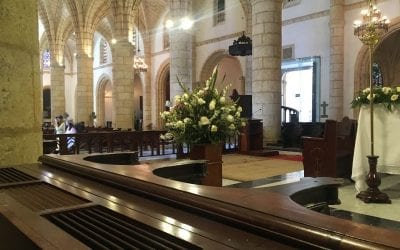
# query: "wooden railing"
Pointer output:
{"type": "Point", "coordinates": [111, 141]}
{"type": "Point", "coordinates": [289, 114]}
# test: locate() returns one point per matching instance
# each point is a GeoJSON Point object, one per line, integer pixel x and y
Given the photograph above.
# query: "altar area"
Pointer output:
{"type": "Point", "coordinates": [386, 143]}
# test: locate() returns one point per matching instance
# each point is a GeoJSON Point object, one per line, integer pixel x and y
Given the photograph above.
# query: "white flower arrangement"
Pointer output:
{"type": "Point", "coordinates": [388, 96]}
{"type": "Point", "coordinates": [202, 116]}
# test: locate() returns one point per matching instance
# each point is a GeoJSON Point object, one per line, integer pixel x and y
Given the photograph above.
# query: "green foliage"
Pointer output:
{"type": "Point", "coordinates": [385, 95]}
{"type": "Point", "coordinates": [202, 116]}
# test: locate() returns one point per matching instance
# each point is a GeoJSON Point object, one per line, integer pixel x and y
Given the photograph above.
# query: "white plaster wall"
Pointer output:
{"type": "Point", "coordinates": [210, 38]}
{"type": "Point", "coordinates": [306, 7]}
{"type": "Point", "coordinates": [311, 38]}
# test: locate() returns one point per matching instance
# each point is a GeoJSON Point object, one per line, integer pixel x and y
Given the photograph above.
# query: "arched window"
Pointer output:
{"type": "Point", "coordinates": [377, 77]}
{"type": "Point", "coordinates": [219, 11]}
{"type": "Point", "coordinates": [103, 51]}
{"type": "Point", "coordinates": [46, 60]}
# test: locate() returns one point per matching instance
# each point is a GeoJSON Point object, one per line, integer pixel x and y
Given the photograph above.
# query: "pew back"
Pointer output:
{"type": "Point", "coordinates": [332, 154]}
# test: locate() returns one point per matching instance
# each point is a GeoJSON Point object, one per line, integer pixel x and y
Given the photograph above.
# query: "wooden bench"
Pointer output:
{"type": "Point", "coordinates": [331, 155]}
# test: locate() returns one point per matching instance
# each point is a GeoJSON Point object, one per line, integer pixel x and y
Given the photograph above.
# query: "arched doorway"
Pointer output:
{"type": "Point", "coordinates": [104, 102]}
{"type": "Point", "coordinates": [164, 97]}
{"type": "Point", "coordinates": [46, 103]}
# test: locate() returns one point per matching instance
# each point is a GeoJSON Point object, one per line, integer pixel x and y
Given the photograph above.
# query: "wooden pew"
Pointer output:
{"type": "Point", "coordinates": [331, 155]}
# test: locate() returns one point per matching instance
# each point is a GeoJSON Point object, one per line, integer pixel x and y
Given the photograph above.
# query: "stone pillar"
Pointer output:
{"type": "Point", "coordinates": [122, 87]}
{"type": "Point", "coordinates": [266, 67]}
{"type": "Point", "coordinates": [180, 47]}
{"type": "Point", "coordinates": [147, 84]}
{"type": "Point", "coordinates": [249, 59]}
{"type": "Point", "coordinates": [335, 108]}
{"type": "Point", "coordinates": [57, 81]}
{"type": "Point", "coordinates": [84, 89]}
{"type": "Point", "coordinates": [20, 94]}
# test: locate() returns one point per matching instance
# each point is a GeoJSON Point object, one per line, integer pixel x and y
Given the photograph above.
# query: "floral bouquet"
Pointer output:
{"type": "Point", "coordinates": [202, 116]}
{"type": "Point", "coordinates": [386, 95]}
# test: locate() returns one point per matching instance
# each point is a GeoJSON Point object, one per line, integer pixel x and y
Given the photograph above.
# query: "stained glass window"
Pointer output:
{"type": "Point", "coordinates": [46, 59]}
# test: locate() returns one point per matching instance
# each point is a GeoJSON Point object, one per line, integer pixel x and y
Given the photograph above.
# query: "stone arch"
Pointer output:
{"type": "Point", "coordinates": [361, 69]}
{"type": "Point", "coordinates": [162, 75]}
{"type": "Point", "coordinates": [101, 85]}
{"type": "Point", "coordinates": [216, 58]}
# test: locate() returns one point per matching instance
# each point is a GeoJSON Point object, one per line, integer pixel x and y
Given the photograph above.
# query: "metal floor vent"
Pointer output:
{"type": "Point", "coordinates": [11, 175]}
{"type": "Point", "coordinates": [42, 196]}
{"type": "Point", "coordinates": [102, 228]}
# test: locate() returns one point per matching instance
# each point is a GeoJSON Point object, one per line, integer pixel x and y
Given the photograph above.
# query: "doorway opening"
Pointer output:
{"type": "Point", "coordinates": [301, 87]}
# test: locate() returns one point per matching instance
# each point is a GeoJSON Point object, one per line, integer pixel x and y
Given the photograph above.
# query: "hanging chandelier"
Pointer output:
{"type": "Point", "coordinates": [138, 61]}
{"type": "Point", "coordinates": [372, 26]}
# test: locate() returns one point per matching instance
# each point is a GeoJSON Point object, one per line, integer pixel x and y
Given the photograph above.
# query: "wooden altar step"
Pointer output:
{"type": "Point", "coordinates": [261, 152]}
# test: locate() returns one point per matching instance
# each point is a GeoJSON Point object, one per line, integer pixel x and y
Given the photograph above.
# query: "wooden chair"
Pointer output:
{"type": "Point", "coordinates": [331, 155]}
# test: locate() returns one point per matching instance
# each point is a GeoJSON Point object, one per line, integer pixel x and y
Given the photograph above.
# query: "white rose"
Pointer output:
{"type": "Point", "coordinates": [201, 101]}
{"type": "Point", "coordinates": [229, 118]}
{"type": "Point", "coordinates": [204, 121]}
{"type": "Point", "coordinates": [232, 126]}
{"type": "Point", "coordinates": [180, 124]}
{"type": "Point", "coordinates": [222, 100]}
{"type": "Point", "coordinates": [214, 128]}
{"type": "Point", "coordinates": [177, 99]}
{"type": "Point", "coordinates": [201, 92]}
{"type": "Point", "coordinates": [185, 96]}
{"type": "Point", "coordinates": [398, 89]}
{"type": "Point", "coordinates": [239, 109]}
{"type": "Point", "coordinates": [211, 106]}
{"type": "Point", "coordinates": [394, 97]}
{"type": "Point", "coordinates": [369, 97]}
{"type": "Point", "coordinates": [386, 90]}
{"type": "Point", "coordinates": [186, 120]}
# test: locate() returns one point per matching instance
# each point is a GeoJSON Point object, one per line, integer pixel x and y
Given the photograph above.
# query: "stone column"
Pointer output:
{"type": "Point", "coordinates": [266, 67]}
{"type": "Point", "coordinates": [147, 84]}
{"type": "Point", "coordinates": [180, 47]}
{"type": "Point", "coordinates": [84, 89]}
{"type": "Point", "coordinates": [20, 94]}
{"type": "Point", "coordinates": [122, 87]}
{"type": "Point", "coordinates": [335, 108]}
{"type": "Point", "coordinates": [57, 81]}
{"type": "Point", "coordinates": [249, 59]}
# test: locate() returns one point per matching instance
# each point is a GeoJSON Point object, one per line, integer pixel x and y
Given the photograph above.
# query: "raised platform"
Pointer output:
{"type": "Point", "coordinates": [262, 152]}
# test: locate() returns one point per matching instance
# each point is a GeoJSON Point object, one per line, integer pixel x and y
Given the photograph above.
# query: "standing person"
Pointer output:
{"type": "Point", "coordinates": [70, 129]}
{"type": "Point", "coordinates": [59, 125]}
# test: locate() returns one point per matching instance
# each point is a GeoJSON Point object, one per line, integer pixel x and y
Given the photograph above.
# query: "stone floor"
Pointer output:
{"type": "Point", "coordinates": [351, 208]}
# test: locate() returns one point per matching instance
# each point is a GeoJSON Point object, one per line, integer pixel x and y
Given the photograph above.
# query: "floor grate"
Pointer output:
{"type": "Point", "coordinates": [12, 175]}
{"type": "Point", "coordinates": [101, 228]}
{"type": "Point", "coordinates": [42, 196]}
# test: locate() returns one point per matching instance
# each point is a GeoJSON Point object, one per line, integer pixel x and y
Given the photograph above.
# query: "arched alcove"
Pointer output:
{"type": "Point", "coordinates": [163, 91]}
{"type": "Point", "coordinates": [229, 66]}
{"type": "Point", "coordinates": [104, 101]}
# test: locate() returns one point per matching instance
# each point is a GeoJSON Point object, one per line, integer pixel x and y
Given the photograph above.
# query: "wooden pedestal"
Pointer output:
{"type": "Point", "coordinates": [213, 154]}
